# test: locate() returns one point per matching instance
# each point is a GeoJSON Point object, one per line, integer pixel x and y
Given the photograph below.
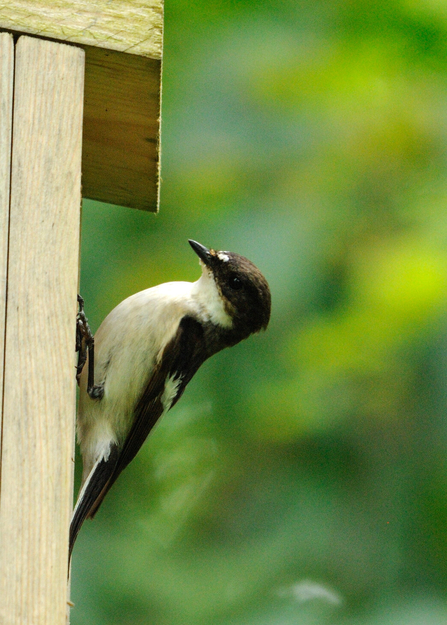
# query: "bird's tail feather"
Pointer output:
{"type": "Point", "coordinates": [90, 497]}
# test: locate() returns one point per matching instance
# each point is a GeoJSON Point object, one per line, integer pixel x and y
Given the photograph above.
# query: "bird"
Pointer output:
{"type": "Point", "coordinates": [146, 351]}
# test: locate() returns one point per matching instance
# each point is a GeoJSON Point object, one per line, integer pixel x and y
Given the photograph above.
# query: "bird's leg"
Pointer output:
{"type": "Point", "coordinates": [82, 330]}
{"type": "Point", "coordinates": [85, 345]}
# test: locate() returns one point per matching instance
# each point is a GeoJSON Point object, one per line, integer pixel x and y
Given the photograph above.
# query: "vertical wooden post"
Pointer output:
{"type": "Point", "coordinates": [39, 380]}
{"type": "Point", "coordinates": [41, 102]}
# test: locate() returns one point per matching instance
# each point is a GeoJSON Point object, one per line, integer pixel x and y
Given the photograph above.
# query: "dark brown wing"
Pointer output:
{"type": "Point", "coordinates": [181, 358]}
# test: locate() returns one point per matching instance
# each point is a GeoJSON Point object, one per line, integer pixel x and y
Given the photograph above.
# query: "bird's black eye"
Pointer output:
{"type": "Point", "coordinates": [235, 283]}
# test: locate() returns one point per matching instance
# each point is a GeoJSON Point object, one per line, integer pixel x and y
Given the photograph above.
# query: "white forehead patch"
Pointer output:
{"type": "Point", "coordinates": [223, 256]}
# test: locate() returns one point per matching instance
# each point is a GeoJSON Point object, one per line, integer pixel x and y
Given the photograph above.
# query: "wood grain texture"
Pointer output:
{"type": "Point", "coordinates": [120, 161]}
{"type": "Point", "coordinates": [6, 90]}
{"type": "Point", "coordinates": [133, 26]}
{"type": "Point", "coordinates": [39, 389]}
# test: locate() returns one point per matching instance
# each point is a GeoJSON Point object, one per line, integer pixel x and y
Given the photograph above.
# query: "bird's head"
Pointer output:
{"type": "Point", "coordinates": [244, 291]}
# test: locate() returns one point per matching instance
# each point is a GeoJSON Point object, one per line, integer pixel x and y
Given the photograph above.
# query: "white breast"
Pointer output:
{"type": "Point", "coordinates": [127, 346]}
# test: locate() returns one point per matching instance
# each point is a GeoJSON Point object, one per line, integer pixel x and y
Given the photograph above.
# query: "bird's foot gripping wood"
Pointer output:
{"type": "Point", "coordinates": [84, 338]}
{"type": "Point", "coordinates": [85, 346]}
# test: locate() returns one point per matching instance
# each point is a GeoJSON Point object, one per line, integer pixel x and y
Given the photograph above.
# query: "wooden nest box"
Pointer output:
{"type": "Point", "coordinates": [79, 116]}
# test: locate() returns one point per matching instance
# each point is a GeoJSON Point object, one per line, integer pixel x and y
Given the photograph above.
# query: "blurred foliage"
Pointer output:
{"type": "Point", "coordinates": [302, 478]}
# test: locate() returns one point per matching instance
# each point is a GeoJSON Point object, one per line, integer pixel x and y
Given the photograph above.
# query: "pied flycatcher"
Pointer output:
{"type": "Point", "coordinates": [147, 350]}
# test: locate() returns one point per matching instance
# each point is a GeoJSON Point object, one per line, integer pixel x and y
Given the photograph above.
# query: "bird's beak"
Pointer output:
{"type": "Point", "coordinates": [202, 252]}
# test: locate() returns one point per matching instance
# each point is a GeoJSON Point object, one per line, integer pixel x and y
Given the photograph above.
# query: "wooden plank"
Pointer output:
{"type": "Point", "coordinates": [6, 91]}
{"type": "Point", "coordinates": [39, 391]}
{"type": "Point", "coordinates": [133, 26]}
{"type": "Point", "coordinates": [120, 161]}
{"type": "Point", "coordinates": [123, 42]}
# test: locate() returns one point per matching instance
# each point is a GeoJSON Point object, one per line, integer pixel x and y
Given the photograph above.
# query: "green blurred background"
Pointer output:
{"type": "Point", "coordinates": [302, 478]}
